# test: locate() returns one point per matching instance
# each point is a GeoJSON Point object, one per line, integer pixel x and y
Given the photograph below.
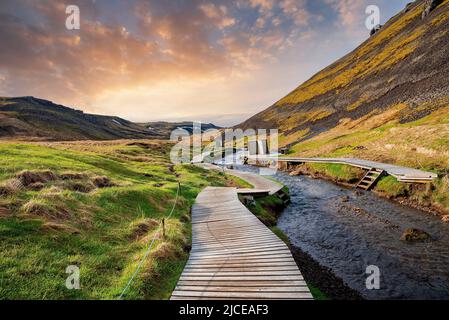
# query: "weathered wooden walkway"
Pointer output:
{"type": "Point", "coordinates": [403, 174]}
{"type": "Point", "coordinates": [235, 256]}
{"type": "Point", "coordinates": [260, 184]}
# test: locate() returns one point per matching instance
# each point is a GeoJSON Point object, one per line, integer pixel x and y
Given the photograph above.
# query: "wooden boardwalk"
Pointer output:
{"type": "Point", "coordinates": [235, 256]}
{"type": "Point", "coordinates": [403, 174]}
{"type": "Point", "coordinates": [260, 184]}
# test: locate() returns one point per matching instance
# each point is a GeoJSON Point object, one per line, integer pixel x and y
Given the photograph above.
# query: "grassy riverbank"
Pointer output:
{"type": "Point", "coordinates": [95, 205]}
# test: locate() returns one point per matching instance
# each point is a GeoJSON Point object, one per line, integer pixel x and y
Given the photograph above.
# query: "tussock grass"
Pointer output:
{"type": "Point", "coordinates": [42, 207]}
{"type": "Point", "coordinates": [59, 227]}
{"type": "Point", "coordinates": [74, 176]}
{"type": "Point", "coordinates": [42, 232]}
{"type": "Point", "coordinates": [28, 177]}
{"type": "Point", "coordinates": [85, 186]}
{"type": "Point", "coordinates": [10, 187]}
{"type": "Point", "coordinates": [141, 227]}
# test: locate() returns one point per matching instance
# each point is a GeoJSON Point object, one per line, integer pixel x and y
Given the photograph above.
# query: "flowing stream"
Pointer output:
{"type": "Point", "coordinates": [347, 230]}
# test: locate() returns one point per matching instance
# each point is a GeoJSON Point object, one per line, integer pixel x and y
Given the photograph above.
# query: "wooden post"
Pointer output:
{"type": "Point", "coordinates": [163, 228]}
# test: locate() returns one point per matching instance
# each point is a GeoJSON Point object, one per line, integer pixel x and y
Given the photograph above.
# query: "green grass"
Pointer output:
{"type": "Point", "coordinates": [240, 182]}
{"type": "Point", "coordinates": [267, 209]}
{"type": "Point", "coordinates": [317, 293]}
{"type": "Point", "coordinates": [339, 172]}
{"type": "Point", "coordinates": [95, 230]}
{"type": "Point", "coordinates": [438, 192]}
{"type": "Point", "coordinates": [281, 235]}
{"type": "Point", "coordinates": [392, 188]}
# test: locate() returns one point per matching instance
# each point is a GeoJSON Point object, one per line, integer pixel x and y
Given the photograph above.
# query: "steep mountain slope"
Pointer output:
{"type": "Point", "coordinates": [392, 90]}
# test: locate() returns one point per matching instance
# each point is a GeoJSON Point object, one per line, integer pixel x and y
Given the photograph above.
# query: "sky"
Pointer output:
{"type": "Point", "coordinates": [198, 60]}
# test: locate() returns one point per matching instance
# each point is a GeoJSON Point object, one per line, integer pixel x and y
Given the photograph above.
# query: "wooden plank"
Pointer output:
{"type": "Point", "coordinates": [254, 238]}
{"type": "Point", "coordinates": [238, 278]}
{"type": "Point", "coordinates": [248, 267]}
{"type": "Point", "coordinates": [242, 284]}
{"type": "Point", "coordinates": [231, 263]}
{"type": "Point", "coordinates": [218, 245]}
{"type": "Point", "coordinates": [254, 252]}
{"type": "Point", "coordinates": [208, 288]}
{"type": "Point", "coordinates": [245, 295]}
{"type": "Point", "coordinates": [399, 172]}
{"type": "Point", "coordinates": [224, 273]}
{"type": "Point", "coordinates": [252, 247]}
{"type": "Point", "coordinates": [235, 256]}
{"type": "Point", "coordinates": [241, 259]}
{"type": "Point", "coordinates": [227, 299]}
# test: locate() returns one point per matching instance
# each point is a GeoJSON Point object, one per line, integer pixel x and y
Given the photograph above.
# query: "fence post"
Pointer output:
{"type": "Point", "coordinates": [163, 228]}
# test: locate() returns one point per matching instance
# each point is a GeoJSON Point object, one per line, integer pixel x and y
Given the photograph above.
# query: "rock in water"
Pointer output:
{"type": "Point", "coordinates": [296, 172]}
{"type": "Point", "coordinates": [445, 218]}
{"type": "Point", "coordinates": [430, 6]}
{"type": "Point", "coordinates": [411, 235]}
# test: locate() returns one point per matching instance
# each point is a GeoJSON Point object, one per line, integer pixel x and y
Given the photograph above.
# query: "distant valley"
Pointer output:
{"type": "Point", "coordinates": [32, 118]}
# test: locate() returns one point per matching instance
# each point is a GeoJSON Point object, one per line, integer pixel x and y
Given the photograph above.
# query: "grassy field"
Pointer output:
{"type": "Point", "coordinates": [95, 205]}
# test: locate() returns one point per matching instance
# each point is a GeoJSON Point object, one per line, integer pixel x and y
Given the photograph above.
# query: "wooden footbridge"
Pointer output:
{"type": "Point", "coordinates": [402, 174]}
{"type": "Point", "coordinates": [234, 255]}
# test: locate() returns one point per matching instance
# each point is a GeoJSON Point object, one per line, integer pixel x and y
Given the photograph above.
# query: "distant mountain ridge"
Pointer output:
{"type": "Point", "coordinates": [30, 117]}
{"type": "Point", "coordinates": [34, 118]}
{"type": "Point", "coordinates": [165, 128]}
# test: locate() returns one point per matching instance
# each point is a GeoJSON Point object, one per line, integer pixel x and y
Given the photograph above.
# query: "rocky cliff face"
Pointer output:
{"type": "Point", "coordinates": [401, 70]}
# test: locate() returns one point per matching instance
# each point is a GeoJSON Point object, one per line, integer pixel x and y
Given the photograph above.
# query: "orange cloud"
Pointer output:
{"type": "Point", "coordinates": [166, 54]}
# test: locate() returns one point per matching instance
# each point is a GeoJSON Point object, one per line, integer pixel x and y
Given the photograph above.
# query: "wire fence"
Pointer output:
{"type": "Point", "coordinates": [151, 243]}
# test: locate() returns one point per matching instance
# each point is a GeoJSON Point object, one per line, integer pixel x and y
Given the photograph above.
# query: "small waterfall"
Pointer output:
{"type": "Point", "coordinates": [261, 147]}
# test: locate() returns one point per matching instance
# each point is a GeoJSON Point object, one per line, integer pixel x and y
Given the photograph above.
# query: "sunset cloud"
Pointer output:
{"type": "Point", "coordinates": [137, 50]}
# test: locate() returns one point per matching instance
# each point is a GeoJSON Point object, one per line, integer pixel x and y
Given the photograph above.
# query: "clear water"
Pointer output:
{"type": "Point", "coordinates": [349, 236]}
